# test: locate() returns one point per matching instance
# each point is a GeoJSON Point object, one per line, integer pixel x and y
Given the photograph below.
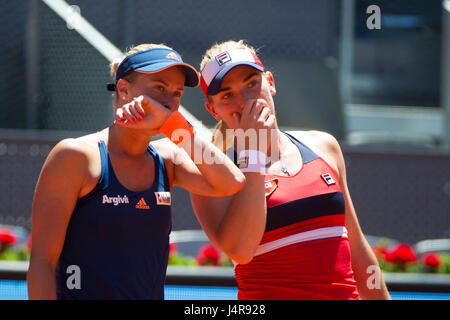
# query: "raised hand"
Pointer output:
{"type": "Point", "coordinates": [142, 113]}
{"type": "Point", "coordinates": [256, 120]}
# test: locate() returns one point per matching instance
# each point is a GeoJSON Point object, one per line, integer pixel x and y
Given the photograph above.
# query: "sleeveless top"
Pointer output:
{"type": "Point", "coordinates": [304, 252]}
{"type": "Point", "coordinates": [117, 240]}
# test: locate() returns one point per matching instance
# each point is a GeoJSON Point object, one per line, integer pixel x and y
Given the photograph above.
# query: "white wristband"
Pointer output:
{"type": "Point", "coordinates": [252, 161]}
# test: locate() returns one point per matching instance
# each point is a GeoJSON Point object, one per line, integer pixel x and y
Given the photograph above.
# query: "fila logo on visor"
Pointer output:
{"type": "Point", "coordinates": [328, 179]}
{"type": "Point", "coordinates": [223, 58]}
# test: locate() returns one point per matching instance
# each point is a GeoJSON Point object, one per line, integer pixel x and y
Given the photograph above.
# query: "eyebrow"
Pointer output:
{"type": "Point", "coordinates": [251, 75]}
{"type": "Point", "coordinates": [165, 83]}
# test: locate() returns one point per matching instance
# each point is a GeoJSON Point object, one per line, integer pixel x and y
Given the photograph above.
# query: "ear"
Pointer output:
{"type": "Point", "coordinates": [271, 81]}
{"type": "Point", "coordinates": [210, 107]}
{"type": "Point", "coordinates": [123, 87]}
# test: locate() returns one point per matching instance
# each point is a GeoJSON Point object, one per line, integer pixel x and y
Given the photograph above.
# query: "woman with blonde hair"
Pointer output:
{"type": "Point", "coordinates": [292, 231]}
{"type": "Point", "coordinates": [101, 211]}
{"type": "Point", "coordinates": [306, 242]}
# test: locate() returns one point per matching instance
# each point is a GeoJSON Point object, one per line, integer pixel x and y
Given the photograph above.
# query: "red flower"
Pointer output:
{"type": "Point", "coordinates": [431, 260]}
{"type": "Point", "coordinates": [208, 255]}
{"type": "Point", "coordinates": [172, 249]}
{"type": "Point", "coordinates": [402, 253]}
{"type": "Point", "coordinates": [7, 237]}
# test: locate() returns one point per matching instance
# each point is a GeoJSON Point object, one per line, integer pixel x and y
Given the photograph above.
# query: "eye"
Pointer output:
{"type": "Point", "coordinates": [227, 95]}
{"type": "Point", "coordinates": [160, 88]}
{"type": "Point", "coordinates": [178, 94]}
{"type": "Point", "coordinates": [252, 84]}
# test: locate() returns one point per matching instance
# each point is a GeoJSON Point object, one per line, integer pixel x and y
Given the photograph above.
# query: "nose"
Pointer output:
{"type": "Point", "coordinates": [244, 96]}
{"type": "Point", "coordinates": [171, 103]}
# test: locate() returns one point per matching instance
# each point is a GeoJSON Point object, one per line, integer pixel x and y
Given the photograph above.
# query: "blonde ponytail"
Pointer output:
{"type": "Point", "coordinates": [220, 138]}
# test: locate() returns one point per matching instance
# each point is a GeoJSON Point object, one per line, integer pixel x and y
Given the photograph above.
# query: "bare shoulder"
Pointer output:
{"type": "Point", "coordinates": [75, 146]}
{"type": "Point", "coordinates": [323, 144]}
{"type": "Point", "coordinates": [73, 165]}
{"type": "Point", "coordinates": [76, 152]}
{"type": "Point", "coordinates": [318, 140]}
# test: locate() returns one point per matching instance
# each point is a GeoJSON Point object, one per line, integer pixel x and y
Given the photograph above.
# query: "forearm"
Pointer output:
{"type": "Point", "coordinates": [216, 168]}
{"type": "Point", "coordinates": [368, 276]}
{"type": "Point", "coordinates": [242, 226]}
{"type": "Point", "coordinates": [41, 281]}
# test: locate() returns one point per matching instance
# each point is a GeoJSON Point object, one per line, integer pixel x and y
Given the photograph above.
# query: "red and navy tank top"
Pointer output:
{"type": "Point", "coordinates": [117, 239]}
{"type": "Point", "coordinates": [304, 252]}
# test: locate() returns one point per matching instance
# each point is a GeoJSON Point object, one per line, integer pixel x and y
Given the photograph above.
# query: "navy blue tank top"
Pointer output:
{"type": "Point", "coordinates": [117, 240]}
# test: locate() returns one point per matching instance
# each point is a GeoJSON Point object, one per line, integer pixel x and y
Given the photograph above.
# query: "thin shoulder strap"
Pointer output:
{"type": "Point", "coordinates": [307, 154]}
{"type": "Point", "coordinates": [160, 169]}
{"type": "Point", "coordinates": [107, 176]}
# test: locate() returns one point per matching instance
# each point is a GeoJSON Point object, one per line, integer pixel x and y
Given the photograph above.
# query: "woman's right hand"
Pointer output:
{"type": "Point", "coordinates": [142, 113]}
{"type": "Point", "coordinates": [257, 120]}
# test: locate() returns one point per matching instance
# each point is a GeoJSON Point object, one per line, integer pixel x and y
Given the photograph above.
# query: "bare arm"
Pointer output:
{"type": "Point", "coordinates": [203, 169]}
{"type": "Point", "coordinates": [235, 224]}
{"type": "Point", "coordinates": [199, 166]}
{"type": "Point", "coordinates": [55, 197]}
{"type": "Point", "coordinates": [363, 258]}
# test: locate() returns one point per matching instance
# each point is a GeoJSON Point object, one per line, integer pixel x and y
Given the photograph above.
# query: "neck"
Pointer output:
{"type": "Point", "coordinates": [130, 142]}
{"type": "Point", "coordinates": [278, 146]}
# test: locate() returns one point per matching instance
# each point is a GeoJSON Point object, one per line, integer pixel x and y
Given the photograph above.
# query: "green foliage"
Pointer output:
{"type": "Point", "coordinates": [177, 259]}
{"type": "Point", "coordinates": [15, 254]}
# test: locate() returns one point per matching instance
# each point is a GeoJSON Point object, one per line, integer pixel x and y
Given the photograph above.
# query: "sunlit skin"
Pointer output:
{"type": "Point", "coordinates": [241, 84]}
{"type": "Point", "coordinates": [165, 87]}
{"type": "Point", "coordinates": [242, 88]}
{"type": "Point", "coordinates": [245, 101]}
{"type": "Point", "coordinates": [73, 167]}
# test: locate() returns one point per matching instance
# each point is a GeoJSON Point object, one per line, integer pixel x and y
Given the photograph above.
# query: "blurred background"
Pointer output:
{"type": "Point", "coordinates": [384, 93]}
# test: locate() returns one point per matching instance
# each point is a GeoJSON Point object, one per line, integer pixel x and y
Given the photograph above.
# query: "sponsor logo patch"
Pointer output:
{"type": "Point", "coordinates": [115, 200]}
{"type": "Point", "coordinates": [163, 198]}
{"type": "Point", "coordinates": [142, 204]}
{"type": "Point", "coordinates": [242, 162]}
{"type": "Point", "coordinates": [328, 179]}
{"type": "Point", "coordinates": [270, 186]}
{"type": "Point", "coordinates": [223, 58]}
